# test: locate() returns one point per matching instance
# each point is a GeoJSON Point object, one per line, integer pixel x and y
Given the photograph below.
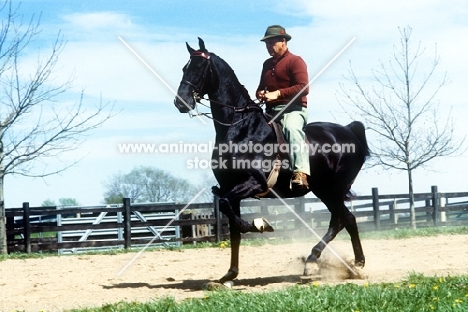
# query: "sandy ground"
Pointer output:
{"type": "Point", "coordinates": [60, 283]}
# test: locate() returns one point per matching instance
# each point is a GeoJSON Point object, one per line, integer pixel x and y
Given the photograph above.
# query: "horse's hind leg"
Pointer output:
{"type": "Point", "coordinates": [311, 265]}
{"type": "Point", "coordinates": [342, 218]}
{"type": "Point", "coordinates": [351, 227]}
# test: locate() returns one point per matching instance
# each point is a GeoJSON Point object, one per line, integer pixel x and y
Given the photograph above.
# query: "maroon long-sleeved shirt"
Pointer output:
{"type": "Point", "coordinates": [288, 74]}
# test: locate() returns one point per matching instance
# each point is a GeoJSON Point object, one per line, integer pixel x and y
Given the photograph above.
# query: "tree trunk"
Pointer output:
{"type": "Point", "coordinates": [411, 199]}
{"type": "Point", "coordinates": [3, 236]}
{"type": "Point", "coordinates": [3, 239]}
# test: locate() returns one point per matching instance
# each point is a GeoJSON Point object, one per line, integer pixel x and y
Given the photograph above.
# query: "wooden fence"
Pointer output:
{"type": "Point", "coordinates": [204, 222]}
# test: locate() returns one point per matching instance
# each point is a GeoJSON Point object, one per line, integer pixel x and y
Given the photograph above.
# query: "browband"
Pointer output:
{"type": "Point", "coordinates": [205, 55]}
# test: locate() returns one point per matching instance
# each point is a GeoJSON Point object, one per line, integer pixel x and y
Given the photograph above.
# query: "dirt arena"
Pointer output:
{"type": "Point", "coordinates": [60, 283]}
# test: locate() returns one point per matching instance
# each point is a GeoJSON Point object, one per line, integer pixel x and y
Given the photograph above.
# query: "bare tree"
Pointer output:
{"type": "Point", "coordinates": [35, 126]}
{"type": "Point", "coordinates": [402, 109]}
{"type": "Point", "coordinates": [207, 181]}
{"type": "Point", "coordinates": [147, 184]}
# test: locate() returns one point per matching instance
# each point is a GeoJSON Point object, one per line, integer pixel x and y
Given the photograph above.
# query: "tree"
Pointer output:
{"type": "Point", "coordinates": [402, 109]}
{"type": "Point", "coordinates": [48, 203]}
{"type": "Point", "coordinates": [35, 126]}
{"type": "Point", "coordinates": [67, 201]}
{"type": "Point", "coordinates": [147, 184]}
{"type": "Point", "coordinates": [62, 202]}
{"type": "Point", "coordinates": [207, 182]}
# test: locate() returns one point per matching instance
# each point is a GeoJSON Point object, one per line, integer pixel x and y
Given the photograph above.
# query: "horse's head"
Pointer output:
{"type": "Point", "coordinates": [195, 74]}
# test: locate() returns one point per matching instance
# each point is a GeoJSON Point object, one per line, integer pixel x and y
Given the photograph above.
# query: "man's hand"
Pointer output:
{"type": "Point", "coordinates": [268, 96]}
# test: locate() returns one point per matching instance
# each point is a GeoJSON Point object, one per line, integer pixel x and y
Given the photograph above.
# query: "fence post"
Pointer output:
{"type": "Point", "coordinates": [59, 233]}
{"type": "Point", "coordinates": [26, 228]}
{"type": "Point", "coordinates": [264, 208]}
{"type": "Point", "coordinates": [10, 225]}
{"type": "Point", "coordinates": [442, 204]}
{"type": "Point", "coordinates": [435, 205]}
{"type": "Point", "coordinates": [428, 213]}
{"type": "Point", "coordinates": [299, 208]}
{"type": "Point", "coordinates": [217, 215]}
{"type": "Point", "coordinates": [120, 230]}
{"type": "Point", "coordinates": [375, 206]}
{"type": "Point", "coordinates": [391, 209]}
{"type": "Point", "coordinates": [127, 216]}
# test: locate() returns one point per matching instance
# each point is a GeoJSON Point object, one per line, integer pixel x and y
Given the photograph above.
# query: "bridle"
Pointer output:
{"type": "Point", "coordinates": [197, 88]}
{"type": "Point", "coordinates": [201, 84]}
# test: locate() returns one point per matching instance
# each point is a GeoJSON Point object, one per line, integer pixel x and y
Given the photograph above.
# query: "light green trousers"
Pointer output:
{"type": "Point", "coordinates": [292, 120]}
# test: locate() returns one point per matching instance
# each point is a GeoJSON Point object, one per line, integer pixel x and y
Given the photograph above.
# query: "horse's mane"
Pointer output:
{"type": "Point", "coordinates": [227, 71]}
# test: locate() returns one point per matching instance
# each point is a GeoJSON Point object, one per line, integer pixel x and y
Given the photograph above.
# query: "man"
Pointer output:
{"type": "Point", "coordinates": [283, 87]}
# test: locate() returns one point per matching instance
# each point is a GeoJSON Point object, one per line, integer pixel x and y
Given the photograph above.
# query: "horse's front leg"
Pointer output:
{"type": "Point", "coordinates": [233, 271]}
{"type": "Point", "coordinates": [231, 208]}
{"type": "Point", "coordinates": [235, 236]}
{"type": "Point", "coordinates": [237, 226]}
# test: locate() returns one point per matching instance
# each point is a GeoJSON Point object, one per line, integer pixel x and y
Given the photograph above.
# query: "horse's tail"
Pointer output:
{"type": "Point", "coordinates": [357, 128]}
{"type": "Point", "coordinates": [359, 131]}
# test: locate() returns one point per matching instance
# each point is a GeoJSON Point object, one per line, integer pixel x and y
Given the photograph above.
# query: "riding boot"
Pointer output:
{"type": "Point", "coordinates": [299, 181]}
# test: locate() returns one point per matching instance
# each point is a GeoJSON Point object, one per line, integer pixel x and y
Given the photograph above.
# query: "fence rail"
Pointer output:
{"type": "Point", "coordinates": [74, 229]}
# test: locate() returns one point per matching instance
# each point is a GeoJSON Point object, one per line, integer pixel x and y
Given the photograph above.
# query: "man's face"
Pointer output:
{"type": "Point", "coordinates": [276, 46]}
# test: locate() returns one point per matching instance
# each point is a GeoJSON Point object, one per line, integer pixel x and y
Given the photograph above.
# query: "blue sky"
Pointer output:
{"type": "Point", "coordinates": [157, 30]}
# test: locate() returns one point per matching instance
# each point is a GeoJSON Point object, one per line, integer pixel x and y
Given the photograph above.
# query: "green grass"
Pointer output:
{"type": "Point", "coordinates": [420, 232]}
{"type": "Point", "coordinates": [417, 293]}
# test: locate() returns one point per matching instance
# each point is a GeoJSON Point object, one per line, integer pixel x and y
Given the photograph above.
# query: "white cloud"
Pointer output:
{"type": "Point", "coordinates": [98, 21]}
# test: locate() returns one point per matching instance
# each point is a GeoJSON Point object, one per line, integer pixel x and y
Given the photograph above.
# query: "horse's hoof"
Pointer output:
{"type": "Point", "coordinates": [229, 284]}
{"type": "Point", "coordinates": [311, 269]}
{"type": "Point", "coordinates": [214, 286]}
{"type": "Point", "coordinates": [357, 271]}
{"type": "Point", "coordinates": [219, 286]}
{"type": "Point", "coordinates": [359, 264]}
{"type": "Point", "coordinates": [230, 275]}
{"type": "Point", "coordinates": [263, 225]}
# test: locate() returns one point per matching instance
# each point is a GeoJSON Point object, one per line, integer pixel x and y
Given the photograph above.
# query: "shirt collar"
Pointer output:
{"type": "Point", "coordinates": [276, 60]}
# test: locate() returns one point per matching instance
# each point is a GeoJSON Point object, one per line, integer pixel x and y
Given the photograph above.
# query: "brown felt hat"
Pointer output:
{"type": "Point", "coordinates": [275, 31]}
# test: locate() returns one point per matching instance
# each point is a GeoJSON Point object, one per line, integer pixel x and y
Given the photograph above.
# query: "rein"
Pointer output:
{"type": "Point", "coordinates": [243, 109]}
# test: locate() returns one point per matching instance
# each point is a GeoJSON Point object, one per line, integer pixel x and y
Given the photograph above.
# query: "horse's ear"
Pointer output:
{"type": "Point", "coordinates": [189, 48]}
{"type": "Point", "coordinates": [201, 43]}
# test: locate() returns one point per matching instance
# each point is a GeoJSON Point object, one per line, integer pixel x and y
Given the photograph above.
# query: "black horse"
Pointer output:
{"type": "Point", "coordinates": [241, 166]}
